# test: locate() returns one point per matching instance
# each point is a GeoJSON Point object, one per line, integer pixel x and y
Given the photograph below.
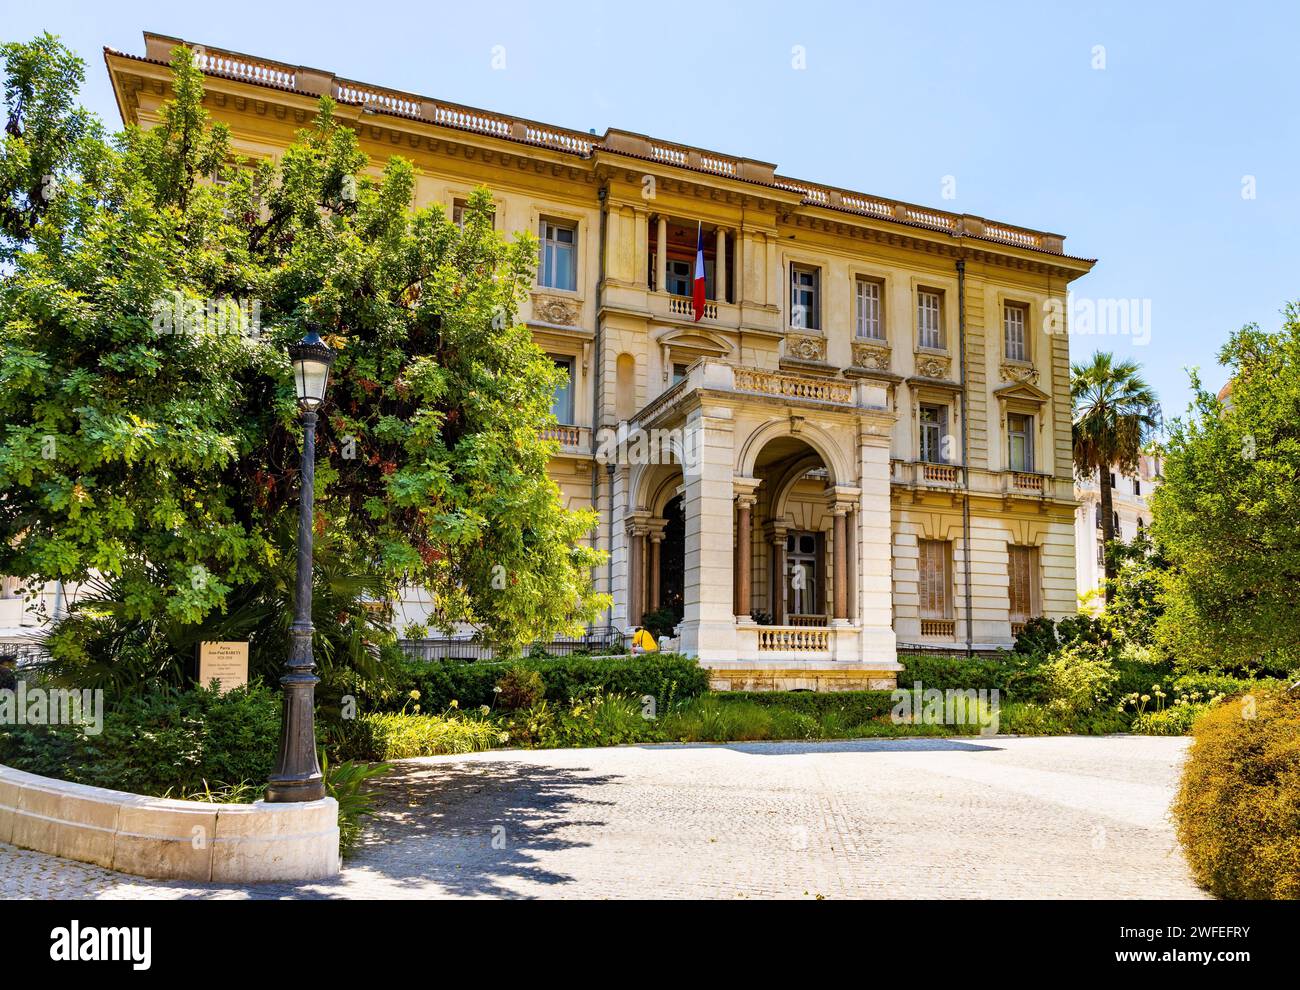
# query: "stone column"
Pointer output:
{"type": "Point", "coordinates": [641, 248]}
{"type": "Point", "coordinates": [655, 540]}
{"type": "Point", "coordinates": [709, 626]}
{"type": "Point", "coordinates": [720, 268]}
{"type": "Point", "coordinates": [636, 569]}
{"type": "Point", "coordinates": [851, 558]}
{"type": "Point", "coordinates": [875, 558]}
{"type": "Point", "coordinates": [776, 536]}
{"type": "Point", "coordinates": [620, 531]}
{"type": "Point", "coordinates": [773, 276]}
{"type": "Point", "coordinates": [744, 555]}
{"type": "Point", "coordinates": [840, 553]}
{"type": "Point", "coordinates": [661, 254]}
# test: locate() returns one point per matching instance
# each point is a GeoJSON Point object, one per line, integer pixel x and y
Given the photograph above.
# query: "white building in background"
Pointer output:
{"type": "Point", "coordinates": [1132, 516]}
{"type": "Point", "coordinates": [23, 619]}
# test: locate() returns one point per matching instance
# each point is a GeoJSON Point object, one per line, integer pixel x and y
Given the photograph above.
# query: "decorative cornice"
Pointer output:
{"type": "Point", "coordinates": [805, 346]}
{"type": "Point", "coordinates": [1018, 372]}
{"type": "Point", "coordinates": [936, 366]}
{"type": "Point", "coordinates": [973, 236]}
{"type": "Point", "coordinates": [556, 310]}
{"type": "Point", "coordinates": [872, 356]}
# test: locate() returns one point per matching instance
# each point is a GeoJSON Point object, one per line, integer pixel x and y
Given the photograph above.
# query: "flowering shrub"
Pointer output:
{"type": "Point", "coordinates": [1153, 715]}
{"type": "Point", "coordinates": [595, 720]}
{"type": "Point", "coordinates": [1176, 720]}
{"type": "Point", "coordinates": [401, 735]}
{"type": "Point", "coordinates": [1080, 676]}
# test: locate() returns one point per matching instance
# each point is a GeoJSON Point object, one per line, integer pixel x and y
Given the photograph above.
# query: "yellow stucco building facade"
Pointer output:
{"type": "Point", "coordinates": [862, 446]}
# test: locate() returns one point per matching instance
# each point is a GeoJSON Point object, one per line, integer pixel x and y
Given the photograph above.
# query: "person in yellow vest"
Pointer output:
{"type": "Point", "coordinates": [643, 642]}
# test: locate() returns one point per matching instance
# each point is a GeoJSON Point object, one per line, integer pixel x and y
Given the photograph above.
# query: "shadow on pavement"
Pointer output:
{"type": "Point", "coordinates": [471, 827]}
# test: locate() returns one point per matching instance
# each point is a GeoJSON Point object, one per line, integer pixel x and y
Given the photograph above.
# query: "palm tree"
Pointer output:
{"type": "Point", "coordinates": [1114, 414]}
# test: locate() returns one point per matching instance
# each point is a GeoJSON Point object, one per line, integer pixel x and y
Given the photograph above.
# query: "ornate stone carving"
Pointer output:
{"type": "Point", "coordinates": [872, 357]}
{"type": "Point", "coordinates": [933, 365]}
{"type": "Point", "coordinates": [1014, 371]}
{"type": "Point", "coordinates": [805, 347]}
{"type": "Point", "coordinates": [553, 309]}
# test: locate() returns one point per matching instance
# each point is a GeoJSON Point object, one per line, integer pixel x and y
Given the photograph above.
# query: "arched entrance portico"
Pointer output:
{"type": "Point", "coordinates": [656, 543]}
{"type": "Point", "coordinates": [781, 517]}
{"type": "Point", "coordinates": [793, 550]}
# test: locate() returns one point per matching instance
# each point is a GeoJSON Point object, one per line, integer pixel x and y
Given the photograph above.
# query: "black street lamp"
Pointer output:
{"type": "Point", "coordinates": [297, 775]}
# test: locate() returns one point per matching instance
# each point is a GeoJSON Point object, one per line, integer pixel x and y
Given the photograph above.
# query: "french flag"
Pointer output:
{"type": "Point", "coordinates": [697, 292]}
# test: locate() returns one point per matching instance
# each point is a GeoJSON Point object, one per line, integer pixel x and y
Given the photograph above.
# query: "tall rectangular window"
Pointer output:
{"type": "Point", "coordinates": [929, 319]}
{"type": "Point", "coordinates": [870, 322]}
{"type": "Point", "coordinates": [1014, 320]}
{"type": "Point", "coordinates": [559, 268]}
{"type": "Point", "coordinates": [677, 277]}
{"type": "Point", "coordinates": [1020, 442]}
{"type": "Point", "coordinates": [1022, 564]}
{"type": "Point", "coordinates": [934, 427]}
{"type": "Point", "coordinates": [562, 403]}
{"type": "Point", "coordinates": [801, 585]}
{"type": "Point", "coordinates": [805, 302]}
{"type": "Point", "coordinates": [459, 208]}
{"type": "Point", "coordinates": [935, 565]}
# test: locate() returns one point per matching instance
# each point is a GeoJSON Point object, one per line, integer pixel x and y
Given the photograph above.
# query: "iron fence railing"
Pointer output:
{"type": "Point", "coordinates": [602, 640]}
{"type": "Point", "coordinates": [950, 650]}
{"type": "Point", "coordinates": [23, 654]}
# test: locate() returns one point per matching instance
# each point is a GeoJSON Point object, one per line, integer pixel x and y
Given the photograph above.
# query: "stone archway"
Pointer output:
{"type": "Point", "coordinates": [794, 563]}
{"type": "Point", "coordinates": [656, 542]}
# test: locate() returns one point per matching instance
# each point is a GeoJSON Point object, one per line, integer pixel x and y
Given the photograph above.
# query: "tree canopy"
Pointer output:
{"type": "Point", "coordinates": [152, 282]}
{"type": "Point", "coordinates": [1227, 513]}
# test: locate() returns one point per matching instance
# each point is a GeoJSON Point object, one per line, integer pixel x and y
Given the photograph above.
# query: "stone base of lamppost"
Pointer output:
{"type": "Point", "coordinates": [297, 775]}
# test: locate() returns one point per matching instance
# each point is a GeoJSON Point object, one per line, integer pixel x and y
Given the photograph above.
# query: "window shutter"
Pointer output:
{"type": "Point", "coordinates": [933, 565]}
{"type": "Point", "coordinates": [1022, 568]}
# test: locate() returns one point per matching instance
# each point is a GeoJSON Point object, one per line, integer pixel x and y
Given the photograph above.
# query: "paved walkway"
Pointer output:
{"type": "Point", "coordinates": [1051, 817]}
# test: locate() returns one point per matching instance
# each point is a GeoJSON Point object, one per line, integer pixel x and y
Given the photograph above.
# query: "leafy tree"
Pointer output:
{"type": "Point", "coordinates": [1113, 416]}
{"type": "Point", "coordinates": [1227, 511]}
{"type": "Point", "coordinates": [45, 132]}
{"type": "Point", "coordinates": [1135, 600]}
{"type": "Point", "coordinates": [150, 428]}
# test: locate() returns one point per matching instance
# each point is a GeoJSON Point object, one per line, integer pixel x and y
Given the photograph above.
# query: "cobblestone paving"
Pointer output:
{"type": "Point", "coordinates": [999, 817]}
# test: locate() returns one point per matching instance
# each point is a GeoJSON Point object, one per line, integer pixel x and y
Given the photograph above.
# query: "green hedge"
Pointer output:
{"type": "Point", "coordinates": [176, 742]}
{"type": "Point", "coordinates": [1139, 676]}
{"type": "Point", "coordinates": [1017, 678]}
{"type": "Point", "coordinates": [1211, 683]}
{"type": "Point", "coordinates": [853, 707]}
{"type": "Point", "coordinates": [666, 676]}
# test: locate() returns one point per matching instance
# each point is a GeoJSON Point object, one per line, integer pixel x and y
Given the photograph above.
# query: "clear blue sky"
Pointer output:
{"type": "Point", "coordinates": [1139, 164]}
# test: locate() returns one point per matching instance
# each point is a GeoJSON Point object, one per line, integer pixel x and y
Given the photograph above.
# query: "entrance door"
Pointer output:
{"type": "Point", "coordinates": [672, 558]}
{"type": "Point", "coordinates": [803, 575]}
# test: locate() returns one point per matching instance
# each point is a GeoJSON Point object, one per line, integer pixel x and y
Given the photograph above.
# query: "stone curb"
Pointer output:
{"type": "Point", "coordinates": [170, 840]}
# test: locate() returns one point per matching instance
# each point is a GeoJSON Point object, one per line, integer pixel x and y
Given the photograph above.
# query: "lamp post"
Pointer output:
{"type": "Point", "coordinates": [297, 775]}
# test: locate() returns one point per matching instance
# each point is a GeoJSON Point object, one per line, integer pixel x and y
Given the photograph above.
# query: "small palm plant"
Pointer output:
{"type": "Point", "coordinates": [1114, 416]}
